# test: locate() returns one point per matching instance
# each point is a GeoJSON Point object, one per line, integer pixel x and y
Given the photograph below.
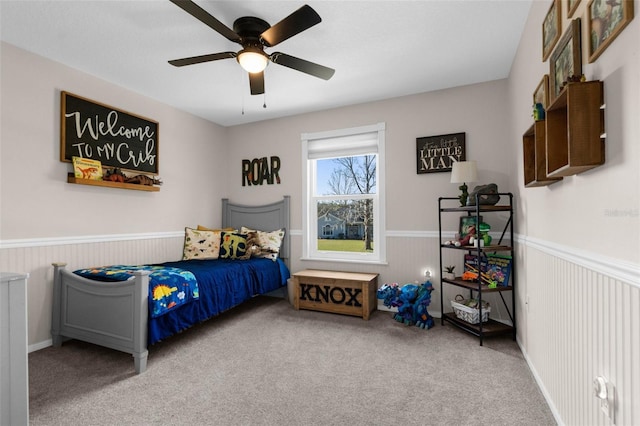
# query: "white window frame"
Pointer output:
{"type": "Point", "coordinates": [309, 215]}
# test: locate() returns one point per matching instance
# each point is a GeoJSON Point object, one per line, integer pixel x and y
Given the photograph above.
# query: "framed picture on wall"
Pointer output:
{"type": "Point", "coordinates": [566, 60]}
{"type": "Point", "coordinates": [572, 5]}
{"type": "Point", "coordinates": [551, 29]}
{"type": "Point", "coordinates": [606, 21]}
{"type": "Point", "coordinates": [541, 94]}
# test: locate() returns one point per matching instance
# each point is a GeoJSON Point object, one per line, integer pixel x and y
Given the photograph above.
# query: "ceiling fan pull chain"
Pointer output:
{"type": "Point", "coordinates": [243, 78]}
{"type": "Point", "coordinates": [264, 101]}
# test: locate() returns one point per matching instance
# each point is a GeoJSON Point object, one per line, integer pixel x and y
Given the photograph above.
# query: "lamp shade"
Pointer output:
{"type": "Point", "coordinates": [464, 171]}
{"type": "Point", "coordinates": [253, 60]}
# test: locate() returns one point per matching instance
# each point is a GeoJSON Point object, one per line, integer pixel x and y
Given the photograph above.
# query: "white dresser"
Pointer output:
{"type": "Point", "coordinates": [14, 375]}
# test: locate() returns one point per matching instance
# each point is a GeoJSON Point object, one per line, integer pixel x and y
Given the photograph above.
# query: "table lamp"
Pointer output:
{"type": "Point", "coordinates": [463, 172]}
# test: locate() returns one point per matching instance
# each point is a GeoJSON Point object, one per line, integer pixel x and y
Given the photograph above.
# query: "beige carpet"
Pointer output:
{"type": "Point", "coordinates": [265, 363]}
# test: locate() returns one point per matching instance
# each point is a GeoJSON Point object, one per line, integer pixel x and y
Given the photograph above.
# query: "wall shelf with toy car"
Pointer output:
{"type": "Point", "coordinates": [122, 185]}
{"type": "Point", "coordinates": [495, 273]}
{"type": "Point", "coordinates": [90, 172]}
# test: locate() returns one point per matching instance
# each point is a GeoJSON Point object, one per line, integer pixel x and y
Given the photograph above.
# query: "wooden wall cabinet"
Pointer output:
{"type": "Point", "coordinates": [574, 130]}
{"type": "Point", "coordinates": [534, 150]}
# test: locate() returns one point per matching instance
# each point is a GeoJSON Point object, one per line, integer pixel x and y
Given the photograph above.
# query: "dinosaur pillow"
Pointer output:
{"type": "Point", "coordinates": [253, 245]}
{"type": "Point", "coordinates": [269, 242]}
{"type": "Point", "coordinates": [201, 244]}
{"type": "Point", "coordinates": [233, 246]}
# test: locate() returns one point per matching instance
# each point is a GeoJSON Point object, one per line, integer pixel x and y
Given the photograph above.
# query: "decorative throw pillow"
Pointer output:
{"type": "Point", "coordinates": [233, 246]}
{"type": "Point", "coordinates": [253, 245]}
{"type": "Point", "coordinates": [270, 242]}
{"type": "Point", "coordinates": [201, 244]}
{"type": "Point", "coordinates": [204, 228]}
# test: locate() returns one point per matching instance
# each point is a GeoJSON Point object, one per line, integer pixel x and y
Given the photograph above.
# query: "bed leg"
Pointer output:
{"type": "Point", "coordinates": [140, 361]}
{"type": "Point", "coordinates": [56, 338]}
{"type": "Point", "coordinates": [141, 318]}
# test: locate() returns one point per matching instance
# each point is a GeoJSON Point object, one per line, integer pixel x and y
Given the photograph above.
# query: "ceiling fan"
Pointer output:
{"type": "Point", "coordinates": [254, 34]}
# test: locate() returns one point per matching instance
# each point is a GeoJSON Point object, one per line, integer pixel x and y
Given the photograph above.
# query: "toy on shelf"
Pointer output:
{"type": "Point", "coordinates": [538, 112]}
{"type": "Point", "coordinates": [487, 195]}
{"type": "Point", "coordinates": [116, 175]}
{"type": "Point", "coordinates": [469, 276]}
{"type": "Point", "coordinates": [467, 240]}
{"type": "Point", "coordinates": [484, 233]}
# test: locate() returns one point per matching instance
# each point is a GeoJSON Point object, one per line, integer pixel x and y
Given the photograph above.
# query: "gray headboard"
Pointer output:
{"type": "Point", "coordinates": [268, 217]}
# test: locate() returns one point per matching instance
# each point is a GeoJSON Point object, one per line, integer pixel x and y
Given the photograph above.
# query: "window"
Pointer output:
{"type": "Point", "coordinates": [343, 213]}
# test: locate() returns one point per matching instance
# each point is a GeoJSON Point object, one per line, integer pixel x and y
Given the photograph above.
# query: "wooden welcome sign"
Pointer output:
{"type": "Point", "coordinates": [100, 132]}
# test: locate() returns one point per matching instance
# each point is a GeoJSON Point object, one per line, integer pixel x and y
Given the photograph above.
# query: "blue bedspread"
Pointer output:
{"type": "Point", "coordinates": [223, 284]}
{"type": "Point", "coordinates": [168, 287]}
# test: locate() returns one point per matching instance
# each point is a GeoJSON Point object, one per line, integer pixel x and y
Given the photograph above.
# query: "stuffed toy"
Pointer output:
{"type": "Point", "coordinates": [411, 300]}
{"type": "Point", "coordinates": [471, 232]}
{"type": "Point", "coordinates": [408, 294]}
{"type": "Point", "coordinates": [422, 317]}
{"type": "Point", "coordinates": [388, 293]}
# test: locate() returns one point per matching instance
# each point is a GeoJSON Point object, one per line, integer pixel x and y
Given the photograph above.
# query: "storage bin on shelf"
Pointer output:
{"type": "Point", "coordinates": [467, 309]}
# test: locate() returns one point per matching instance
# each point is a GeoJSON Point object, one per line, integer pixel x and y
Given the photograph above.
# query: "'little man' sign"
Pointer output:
{"type": "Point", "coordinates": [438, 153]}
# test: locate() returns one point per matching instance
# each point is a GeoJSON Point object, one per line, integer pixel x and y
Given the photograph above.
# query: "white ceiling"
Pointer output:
{"type": "Point", "coordinates": [379, 49]}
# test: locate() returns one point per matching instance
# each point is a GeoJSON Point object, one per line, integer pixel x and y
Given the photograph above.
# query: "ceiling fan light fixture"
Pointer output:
{"type": "Point", "coordinates": [253, 60]}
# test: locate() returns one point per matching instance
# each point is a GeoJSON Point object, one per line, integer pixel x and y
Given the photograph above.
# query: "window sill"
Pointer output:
{"type": "Point", "coordinates": [338, 260]}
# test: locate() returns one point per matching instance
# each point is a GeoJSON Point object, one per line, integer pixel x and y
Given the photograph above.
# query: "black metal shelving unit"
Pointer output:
{"type": "Point", "coordinates": [476, 288]}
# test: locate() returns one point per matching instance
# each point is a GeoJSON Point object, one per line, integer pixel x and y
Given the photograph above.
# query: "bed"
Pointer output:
{"type": "Point", "coordinates": [119, 314]}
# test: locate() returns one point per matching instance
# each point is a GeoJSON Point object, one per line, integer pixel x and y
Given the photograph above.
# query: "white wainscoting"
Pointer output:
{"type": "Point", "coordinates": [580, 318]}
{"type": "Point", "coordinates": [35, 257]}
{"type": "Point", "coordinates": [578, 313]}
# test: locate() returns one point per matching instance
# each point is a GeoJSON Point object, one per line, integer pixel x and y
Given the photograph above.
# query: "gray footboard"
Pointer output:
{"type": "Point", "coordinates": [113, 315]}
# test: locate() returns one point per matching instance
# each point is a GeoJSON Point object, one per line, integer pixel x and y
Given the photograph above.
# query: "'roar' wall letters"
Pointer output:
{"type": "Point", "coordinates": [259, 170]}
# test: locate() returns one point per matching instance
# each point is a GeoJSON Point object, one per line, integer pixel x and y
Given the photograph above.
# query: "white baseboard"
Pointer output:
{"type": "Point", "coordinates": [543, 389]}
{"type": "Point", "coordinates": [40, 345]}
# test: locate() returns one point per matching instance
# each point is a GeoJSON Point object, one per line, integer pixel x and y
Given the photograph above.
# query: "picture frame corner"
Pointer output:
{"type": "Point", "coordinates": [549, 45]}
{"type": "Point", "coordinates": [602, 45]}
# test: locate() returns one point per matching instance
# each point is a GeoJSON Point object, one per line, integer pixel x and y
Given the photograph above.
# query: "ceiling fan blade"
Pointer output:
{"type": "Point", "coordinates": [300, 20]}
{"type": "Point", "coordinates": [298, 64]}
{"type": "Point", "coordinates": [256, 82]}
{"type": "Point", "coordinates": [202, 58]}
{"type": "Point", "coordinates": [202, 15]}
